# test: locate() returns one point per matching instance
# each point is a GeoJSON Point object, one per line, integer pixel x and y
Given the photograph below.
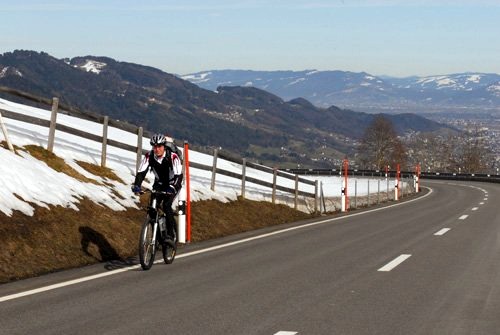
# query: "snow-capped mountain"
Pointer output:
{"type": "Point", "coordinates": [362, 90]}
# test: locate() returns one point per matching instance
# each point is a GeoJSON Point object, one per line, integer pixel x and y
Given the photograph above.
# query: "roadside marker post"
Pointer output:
{"type": "Point", "coordinates": [344, 197]}
{"type": "Point", "coordinates": [397, 184]}
{"type": "Point", "coordinates": [181, 218]}
{"type": "Point", "coordinates": [188, 191]}
{"type": "Point", "coordinates": [417, 178]}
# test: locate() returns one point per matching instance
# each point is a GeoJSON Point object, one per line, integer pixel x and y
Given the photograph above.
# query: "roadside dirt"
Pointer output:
{"type": "Point", "coordinates": [60, 238]}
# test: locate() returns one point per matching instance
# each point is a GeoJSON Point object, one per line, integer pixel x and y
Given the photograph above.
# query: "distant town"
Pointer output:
{"type": "Point", "coordinates": [480, 130]}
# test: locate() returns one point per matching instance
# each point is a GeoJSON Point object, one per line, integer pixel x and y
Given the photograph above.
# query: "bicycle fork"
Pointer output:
{"type": "Point", "coordinates": [153, 239]}
{"type": "Point", "coordinates": [155, 225]}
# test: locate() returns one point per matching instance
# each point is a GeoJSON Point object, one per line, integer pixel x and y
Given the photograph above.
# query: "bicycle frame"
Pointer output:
{"type": "Point", "coordinates": [148, 245]}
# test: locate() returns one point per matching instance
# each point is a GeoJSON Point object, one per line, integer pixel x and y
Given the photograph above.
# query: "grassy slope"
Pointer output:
{"type": "Point", "coordinates": [59, 238]}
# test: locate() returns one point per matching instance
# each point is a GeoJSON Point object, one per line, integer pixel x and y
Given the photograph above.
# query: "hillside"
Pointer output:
{"type": "Point", "coordinates": [243, 120]}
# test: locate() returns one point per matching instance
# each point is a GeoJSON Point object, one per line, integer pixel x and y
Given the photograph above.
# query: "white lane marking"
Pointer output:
{"type": "Point", "coordinates": [463, 217]}
{"type": "Point", "coordinates": [285, 333]}
{"type": "Point", "coordinates": [475, 208]}
{"type": "Point", "coordinates": [395, 262]}
{"type": "Point", "coordinates": [202, 251]}
{"type": "Point", "coordinates": [481, 203]}
{"type": "Point", "coordinates": [442, 232]}
{"type": "Point", "coordinates": [485, 199]}
{"type": "Point", "coordinates": [67, 283]}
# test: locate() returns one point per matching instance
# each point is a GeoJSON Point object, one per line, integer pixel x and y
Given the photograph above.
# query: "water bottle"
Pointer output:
{"type": "Point", "coordinates": [162, 223]}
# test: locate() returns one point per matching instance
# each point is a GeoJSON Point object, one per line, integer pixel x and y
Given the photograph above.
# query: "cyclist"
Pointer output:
{"type": "Point", "coordinates": [167, 168]}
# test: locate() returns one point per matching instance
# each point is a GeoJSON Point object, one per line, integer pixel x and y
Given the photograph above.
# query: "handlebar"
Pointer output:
{"type": "Point", "coordinates": [146, 190]}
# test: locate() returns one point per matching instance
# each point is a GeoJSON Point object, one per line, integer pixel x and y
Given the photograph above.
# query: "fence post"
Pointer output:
{"type": "Point", "coordinates": [355, 193]}
{"type": "Point", "coordinates": [140, 133]}
{"type": "Point", "coordinates": [275, 177]}
{"type": "Point", "coordinates": [401, 183]}
{"type": "Point", "coordinates": [322, 197]}
{"type": "Point", "coordinates": [402, 187]}
{"type": "Point", "coordinates": [368, 198]}
{"type": "Point", "coordinates": [52, 129]}
{"type": "Point", "coordinates": [387, 189]}
{"type": "Point", "coordinates": [5, 134]}
{"type": "Point", "coordinates": [243, 177]}
{"type": "Point", "coordinates": [104, 140]}
{"type": "Point", "coordinates": [296, 200]}
{"type": "Point", "coordinates": [378, 191]}
{"type": "Point", "coordinates": [214, 170]}
{"type": "Point", "coordinates": [316, 196]}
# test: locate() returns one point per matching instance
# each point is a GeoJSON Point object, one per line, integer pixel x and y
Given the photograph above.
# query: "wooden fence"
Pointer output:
{"type": "Point", "coordinates": [57, 108]}
{"type": "Point", "coordinates": [244, 178]}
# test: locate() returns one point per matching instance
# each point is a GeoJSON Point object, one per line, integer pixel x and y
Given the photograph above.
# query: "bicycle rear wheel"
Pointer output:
{"type": "Point", "coordinates": [147, 246]}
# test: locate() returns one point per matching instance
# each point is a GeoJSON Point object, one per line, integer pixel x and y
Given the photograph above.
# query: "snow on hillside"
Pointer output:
{"type": "Point", "coordinates": [93, 66]}
{"type": "Point", "coordinates": [198, 77]}
{"type": "Point", "coordinates": [25, 181]}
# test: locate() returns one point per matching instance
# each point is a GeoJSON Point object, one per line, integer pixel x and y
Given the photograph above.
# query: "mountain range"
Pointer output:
{"type": "Point", "coordinates": [246, 121]}
{"type": "Point", "coordinates": [365, 92]}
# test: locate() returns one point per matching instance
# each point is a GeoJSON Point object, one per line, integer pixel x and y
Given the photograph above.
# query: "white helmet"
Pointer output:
{"type": "Point", "coordinates": [158, 139]}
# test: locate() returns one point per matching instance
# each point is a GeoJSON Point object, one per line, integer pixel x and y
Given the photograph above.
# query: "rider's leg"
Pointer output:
{"type": "Point", "coordinates": [169, 213]}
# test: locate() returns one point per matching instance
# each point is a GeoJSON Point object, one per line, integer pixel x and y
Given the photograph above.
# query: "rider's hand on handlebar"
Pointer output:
{"type": "Point", "coordinates": [136, 189]}
{"type": "Point", "coordinates": [170, 190]}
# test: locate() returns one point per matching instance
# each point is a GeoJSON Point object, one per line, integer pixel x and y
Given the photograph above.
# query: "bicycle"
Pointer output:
{"type": "Point", "coordinates": [154, 233]}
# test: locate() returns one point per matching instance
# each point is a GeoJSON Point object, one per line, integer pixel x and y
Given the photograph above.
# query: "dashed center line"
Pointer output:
{"type": "Point", "coordinates": [285, 333]}
{"type": "Point", "coordinates": [463, 217]}
{"type": "Point", "coordinates": [481, 203]}
{"type": "Point", "coordinates": [474, 208]}
{"type": "Point", "coordinates": [395, 262]}
{"type": "Point", "coordinates": [442, 232]}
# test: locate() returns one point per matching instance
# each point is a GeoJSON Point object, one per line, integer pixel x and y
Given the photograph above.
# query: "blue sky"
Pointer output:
{"type": "Point", "coordinates": [381, 37]}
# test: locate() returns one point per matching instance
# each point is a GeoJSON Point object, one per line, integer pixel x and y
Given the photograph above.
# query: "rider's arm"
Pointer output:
{"type": "Point", "coordinates": [143, 170]}
{"type": "Point", "coordinates": [176, 181]}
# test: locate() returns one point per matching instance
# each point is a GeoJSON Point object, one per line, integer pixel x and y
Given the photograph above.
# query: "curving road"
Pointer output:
{"type": "Point", "coordinates": [426, 266]}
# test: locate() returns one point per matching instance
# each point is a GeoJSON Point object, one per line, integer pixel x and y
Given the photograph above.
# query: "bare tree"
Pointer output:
{"type": "Point", "coordinates": [380, 145]}
{"type": "Point", "coordinates": [475, 156]}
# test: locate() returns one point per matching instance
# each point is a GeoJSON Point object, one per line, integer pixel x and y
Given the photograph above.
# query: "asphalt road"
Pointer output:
{"type": "Point", "coordinates": [429, 266]}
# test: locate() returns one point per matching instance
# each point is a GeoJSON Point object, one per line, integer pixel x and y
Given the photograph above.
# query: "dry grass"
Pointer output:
{"type": "Point", "coordinates": [56, 163]}
{"type": "Point", "coordinates": [60, 238]}
{"type": "Point", "coordinates": [5, 146]}
{"type": "Point", "coordinates": [213, 219]}
{"type": "Point", "coordinates": [100, 171]}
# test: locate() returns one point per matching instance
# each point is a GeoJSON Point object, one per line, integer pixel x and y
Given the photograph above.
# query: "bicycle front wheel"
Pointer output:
{"type": "Point", "coordinates": [169, 249]}
{"type": "Point", "coordinates": [147, 246]}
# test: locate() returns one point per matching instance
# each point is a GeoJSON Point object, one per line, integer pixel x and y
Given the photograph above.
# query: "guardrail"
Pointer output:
{"type": "Point", "coordinates": [483, 177]}
{"type": "Point", "coordinates": [489, 178]}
